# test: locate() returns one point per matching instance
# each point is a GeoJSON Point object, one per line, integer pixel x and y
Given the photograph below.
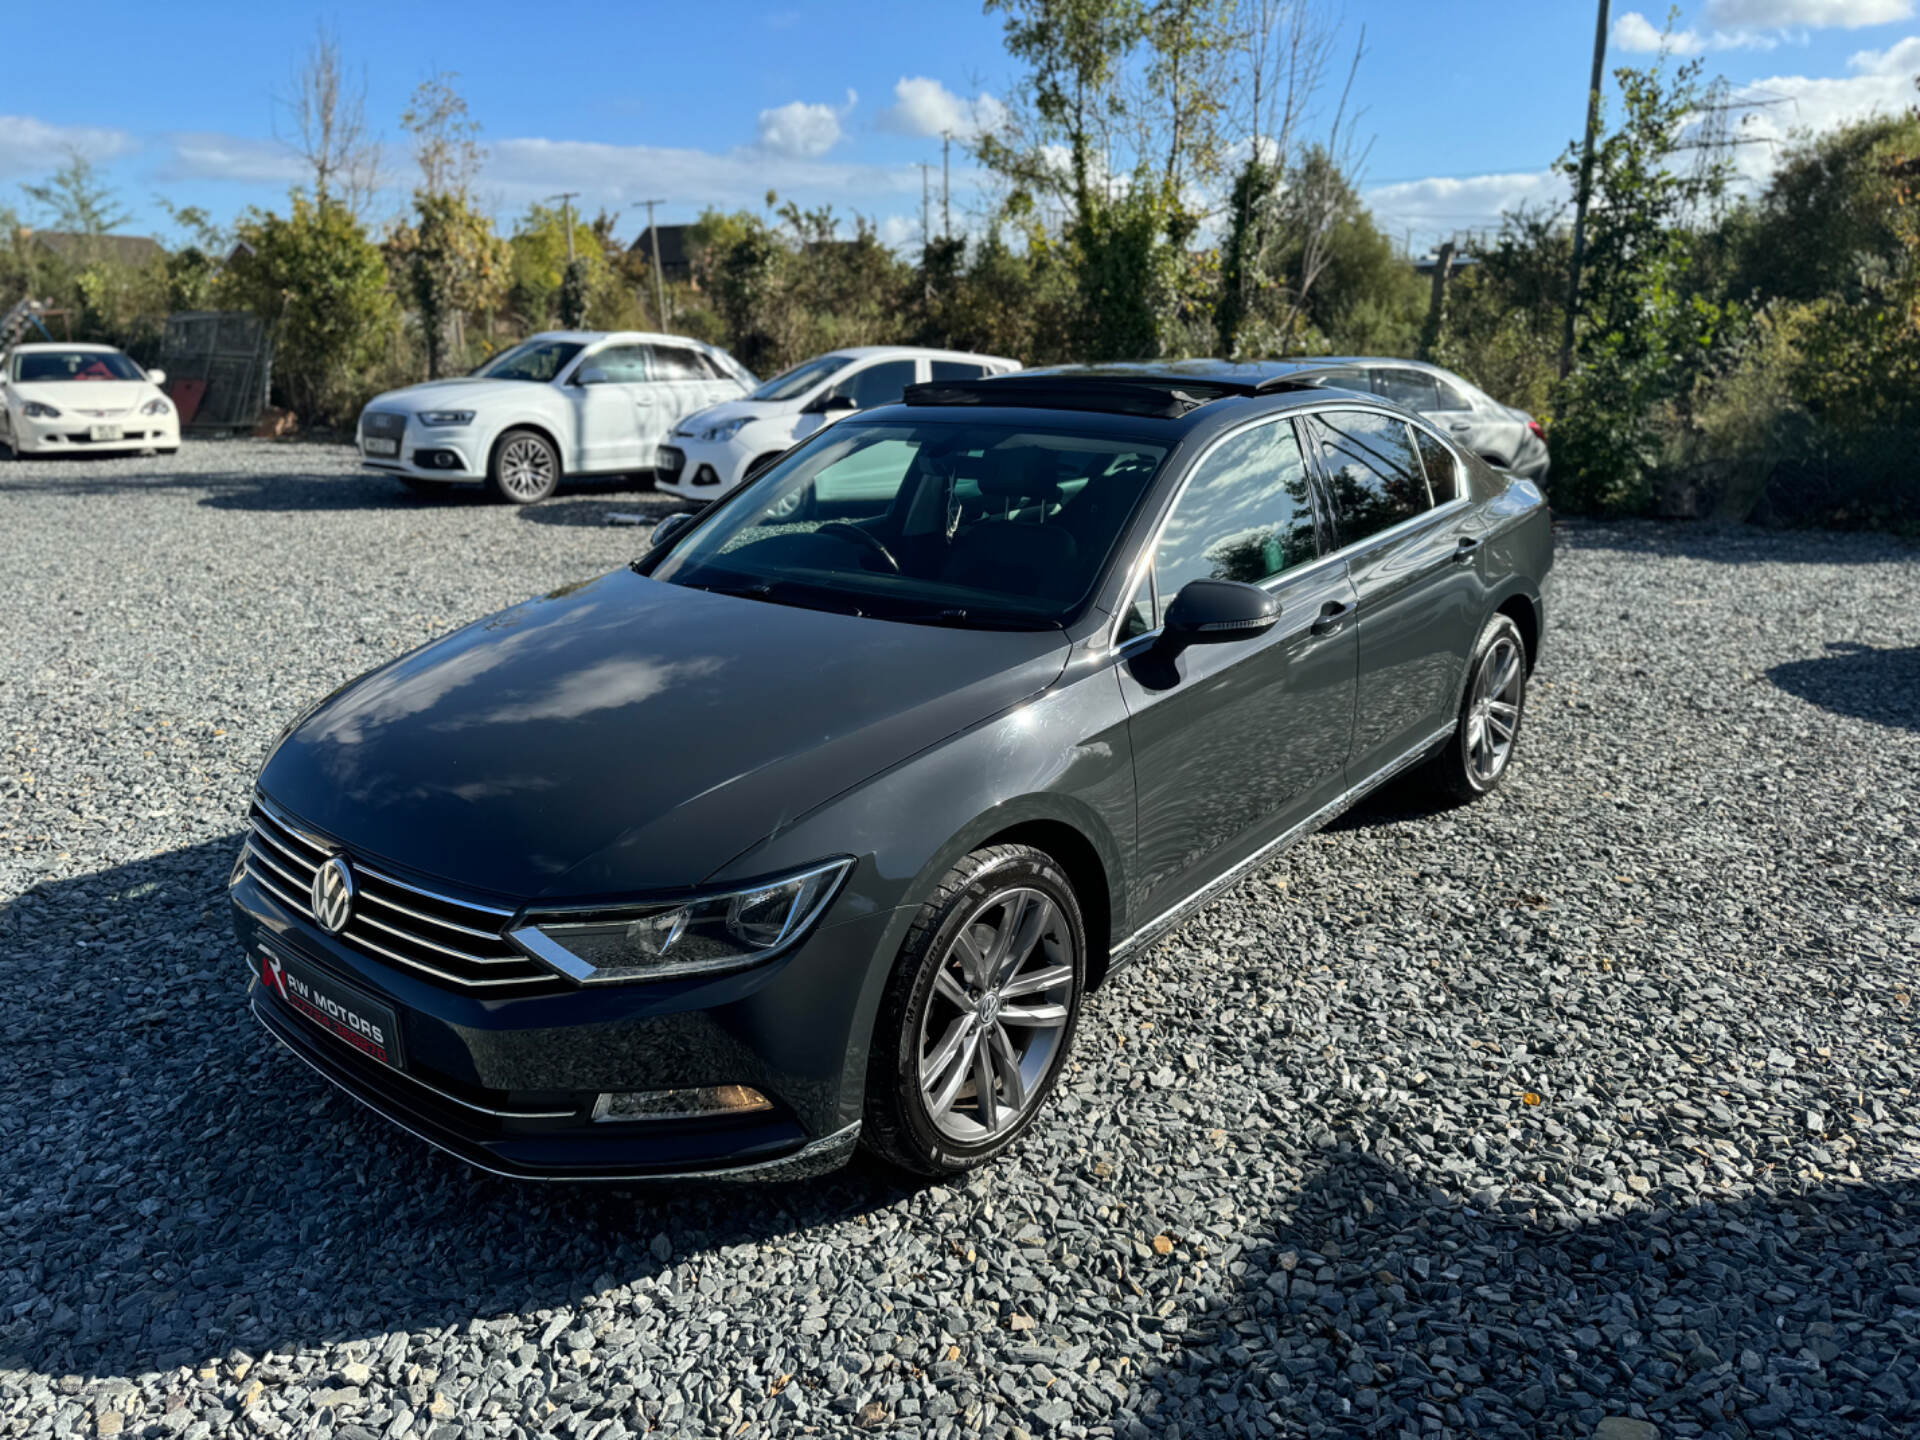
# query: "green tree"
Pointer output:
{"type": "Point", "coordinates": [539, 257]}
{"type": "Point", "coordinates": [78, 200]}
{"type": "Point", "coordinates": [321, 284]}
{"type": "Point", "coordinates": [1643, 333]}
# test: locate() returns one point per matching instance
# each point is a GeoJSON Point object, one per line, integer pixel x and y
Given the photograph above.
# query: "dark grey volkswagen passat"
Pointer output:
{"type": "Point", "coordinates": [818, 824]}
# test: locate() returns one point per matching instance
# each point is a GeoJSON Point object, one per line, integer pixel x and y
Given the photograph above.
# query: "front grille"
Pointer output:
{"type": "Point", "coordinates": [670, 459]}
{"type": "Point", "coordinates": [454, 942]}
{"type": "Point", "coordinates": [384, 423]}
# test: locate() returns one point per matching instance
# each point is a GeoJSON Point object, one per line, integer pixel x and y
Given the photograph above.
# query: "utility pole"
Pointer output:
{"type": "Point", "coordinates": [1586, 187]}
{"type": "Point", "coordinates": [926, 213]}
{"type": "Point", "coordinates": [946, 185]}
{"type": "Point", "coordinates": [659, 288]}
{"type": "Point", "coordinates": [566, 199]}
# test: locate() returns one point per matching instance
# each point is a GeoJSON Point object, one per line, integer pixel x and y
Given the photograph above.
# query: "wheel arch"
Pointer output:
{"type": "Point", "coordinates": [539, 427]}
{"type": "Point", "coordinates": [1524, 610]}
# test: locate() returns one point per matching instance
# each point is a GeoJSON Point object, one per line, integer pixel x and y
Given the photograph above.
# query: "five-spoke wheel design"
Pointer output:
{"type": "Point", "coordinates": [993, 1026]}
{"type": "Point", "coordinates": [1493, 712]}
{"type": "Point", "coordinates": [978, 1015]}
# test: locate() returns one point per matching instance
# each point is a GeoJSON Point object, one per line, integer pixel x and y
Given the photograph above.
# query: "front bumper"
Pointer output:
{"type": "Point", "coordinates": [71, 435]}
{"type": "Point", "coordinates": [452, 453]}
{"type": "Point", "coordinates": [700, 470]}
{"type": "Point", "coordinates": [508, 1083]}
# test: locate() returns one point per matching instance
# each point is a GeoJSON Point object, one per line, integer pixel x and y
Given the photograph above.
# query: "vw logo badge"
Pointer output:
{"type": "Point", "coordinates": [332, 895]}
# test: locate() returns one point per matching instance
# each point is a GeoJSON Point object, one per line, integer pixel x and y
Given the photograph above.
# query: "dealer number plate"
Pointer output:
{"type": "Point", "coordinates": [379, 446]}
{"type": "Point", "coordinates": [345, 1012]}
{"type": "Point", "coordinates": [103, 432]}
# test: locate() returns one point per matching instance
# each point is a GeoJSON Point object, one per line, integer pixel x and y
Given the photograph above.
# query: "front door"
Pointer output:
{"type": "Point", "coordinates": [1235, 743]}
{"type": "Point", "coordinates": [610, 395]}
{"type": "Point", "coordinates": [1416, 586]}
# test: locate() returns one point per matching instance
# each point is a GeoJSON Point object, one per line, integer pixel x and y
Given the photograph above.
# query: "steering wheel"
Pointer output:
{"type": "Point", "coordinates": [844, 531]}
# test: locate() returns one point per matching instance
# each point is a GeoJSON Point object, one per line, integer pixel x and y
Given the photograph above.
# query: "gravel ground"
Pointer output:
{"type": "Point", "coordinates": [1587, 1111]}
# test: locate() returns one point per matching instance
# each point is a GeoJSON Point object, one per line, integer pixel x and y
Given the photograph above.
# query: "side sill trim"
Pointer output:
{"type": "Point", "coordinates": [1130, 947]}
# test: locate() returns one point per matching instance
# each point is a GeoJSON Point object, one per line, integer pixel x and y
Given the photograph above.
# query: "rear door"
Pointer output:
{"type": "Point", "coordinates": [682, 384]}
{"type": "Point", "coordinates": [1417, 591]}
{"type": "Point", "coordinates": [1235, 743]}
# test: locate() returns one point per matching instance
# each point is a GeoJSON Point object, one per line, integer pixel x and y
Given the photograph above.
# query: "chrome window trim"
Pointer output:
{"type": "Point", "coordinates": [1343, 553]}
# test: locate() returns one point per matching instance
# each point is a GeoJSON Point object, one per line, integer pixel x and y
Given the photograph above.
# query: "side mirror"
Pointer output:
{"type": "Point", "coordinates": [157, 377]}
{"type": "Point", "coordinates": [1210, 612]}
{"type": "Point", "coordinates": [833, 405]}
{"type": "Point", "coordinates": [670, 529]}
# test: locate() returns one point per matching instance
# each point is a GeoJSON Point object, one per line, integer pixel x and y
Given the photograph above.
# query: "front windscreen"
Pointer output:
{"type": "Point", "coordinates": [40, 366]}
{"type": "Point", "coordinates": [940, 522]}
{"type": "Point", "coordinates": [539, 360]}
{"type": "Point", "coordinates": [794, 383]}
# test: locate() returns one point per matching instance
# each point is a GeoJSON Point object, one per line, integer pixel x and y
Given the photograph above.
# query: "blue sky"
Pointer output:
{"type": "Point", "coordinates": [1466, 104]}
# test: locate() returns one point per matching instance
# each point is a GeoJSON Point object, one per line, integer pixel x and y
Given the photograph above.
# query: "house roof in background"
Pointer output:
{"type": "Point", "coordinates": [78, 248]}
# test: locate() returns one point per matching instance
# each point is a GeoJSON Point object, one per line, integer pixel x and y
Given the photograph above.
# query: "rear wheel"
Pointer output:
{"type": "Point", "coordinates": [525, 468]}
{"type": "Point", "coordinates": [978, 1015]}
{"type": "Point", "coordinates": [1476, 756]}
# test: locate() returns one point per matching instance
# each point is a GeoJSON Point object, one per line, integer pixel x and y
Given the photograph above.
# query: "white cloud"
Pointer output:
{"type": "Point", "coordinates": [1902, 58]}
{"type": "Point", "coordinates": [1882, 83]}
{"type": "Point", "coordinates": [1805, 14]}
{"type": "Point", "coordinates": [33, 147]}
{"type": "Point", "coordinates": [923, 106]}
{"type": "Point", "coordinates": [200, 155]}
{"type": "Point", "coordinates": [1634, 33]}
{"type": "Point", "coordinates": [803, 130]}
{"type": "Point", "coordinates": [1443, 205]}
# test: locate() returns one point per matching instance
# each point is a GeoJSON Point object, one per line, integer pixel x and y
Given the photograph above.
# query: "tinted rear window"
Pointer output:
{"type": "Point", "coordinates": [1373, 469]}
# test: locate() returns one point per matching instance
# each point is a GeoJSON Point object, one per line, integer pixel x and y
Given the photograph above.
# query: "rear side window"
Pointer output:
{"type": "Point", "coordinates": [1246, 515]}
{"type": "Point", "coordinates": [881, 384]}
{"type": "Point", "coordinates": [1373, 470]}
{"type": "Point", "coordinates": [1443, 471]}
{"type": "Point", "coordinates": [957, 370]}
{"type": "Point", "coordinates": [1452, 397]}
{"type": "Point", "coordinates": [1414, 389]}
{"type": "Point", "coordinates": [676, 362]}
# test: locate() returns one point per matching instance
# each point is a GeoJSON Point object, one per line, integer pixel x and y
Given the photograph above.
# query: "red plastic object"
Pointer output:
{"type": "Point", "coordinates": [186, 396]}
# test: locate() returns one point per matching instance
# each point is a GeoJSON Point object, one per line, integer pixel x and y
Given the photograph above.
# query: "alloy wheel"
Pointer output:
{"type": "Point", "coordinates": [1493, 719]}
{"type": "Point", "coordinates": [526, 468]}
{"type": "Point", "coordinates": [992, 1027]}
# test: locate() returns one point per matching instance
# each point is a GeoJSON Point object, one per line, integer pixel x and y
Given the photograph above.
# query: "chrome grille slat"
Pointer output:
{"type": "Point", "coordinates": [260, 832]}
{"type": "Point", "coordinates": [413, 939]}
{"type": "Point", "coordinates": [284, 857]}
{"type": "Point", "coordinates": [408, 910]}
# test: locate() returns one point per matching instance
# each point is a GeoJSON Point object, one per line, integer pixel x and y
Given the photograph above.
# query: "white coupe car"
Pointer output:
{"type": "Point", "coordinates": [68, 399]}
{"type": "Point", "coordinates": [563, 403]}
{"type": "Point", "coordinates": [714, 451]}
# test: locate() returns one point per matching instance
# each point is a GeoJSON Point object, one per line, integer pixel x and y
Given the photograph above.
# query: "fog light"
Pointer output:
{"type": "Point", "coordinates": [679, 1104]}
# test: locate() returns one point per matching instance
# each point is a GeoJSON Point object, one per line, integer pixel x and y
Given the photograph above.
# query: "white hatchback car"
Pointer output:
{"type": "Point", "coordinates": [714, 451]}
{"type": "Point", "coordinates": [69, 399]}
{"type": "Point", "coordinates": [563, 403]}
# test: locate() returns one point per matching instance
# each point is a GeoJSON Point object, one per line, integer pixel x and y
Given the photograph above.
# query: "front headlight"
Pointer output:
{"type": "Point", "coordinates": [724, 432]}
{"type": "Point", "coordinates": [445, 417]}
{"type": "Point", "coordinates": [156, 406]}
{"type": "Point", "coordinates": [34, 410]}
{"type": "Point", "coordinates": [705, 935]}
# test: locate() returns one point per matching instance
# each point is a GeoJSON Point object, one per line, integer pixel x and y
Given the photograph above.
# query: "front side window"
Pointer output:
{"type": "Point", "coordinates": [1372, 469]}
{"type": "Point", "coordinates": [39, 367]}
{"type": "Point", "coordinates": [877, 385]}
{"type": "Point", "coordinates": [1246, 515]}
{"type": "Point", "coordinates": [931, 521]}
{"type": "Point", "coordinates": [537, 360]}
{"type": "Point", "coordinates": [792, 384]}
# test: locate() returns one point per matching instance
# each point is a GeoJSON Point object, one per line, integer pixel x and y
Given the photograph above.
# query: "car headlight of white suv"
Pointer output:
{"type": "Point", "coordinates": [440, 418]}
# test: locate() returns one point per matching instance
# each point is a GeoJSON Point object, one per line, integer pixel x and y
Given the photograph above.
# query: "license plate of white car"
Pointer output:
{"type": "Point", "coordinates": [378, 446]}
{"type": "Point", "coordinates": [103, 432]}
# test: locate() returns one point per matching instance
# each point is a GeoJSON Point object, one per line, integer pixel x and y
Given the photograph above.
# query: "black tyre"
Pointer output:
{"type": "Point", "coordinates": [1476, 757]}
{"type": "Point", "coordinates": [524, 468]}
{"type": "Point", "coordinates": [978, 1016]}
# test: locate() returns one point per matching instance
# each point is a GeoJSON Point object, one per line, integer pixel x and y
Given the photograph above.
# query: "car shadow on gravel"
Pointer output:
{"type": "Point", "coordinates": [1881, 685]}
{"type": "Point", "coordinates": [1396, 1306]}
{"type": "Point", "coordinates": [291, 490]}
{"type": "Point", "coordinates": [567, 510]}
{"type": "Point", "coordinates": [176, 1185]}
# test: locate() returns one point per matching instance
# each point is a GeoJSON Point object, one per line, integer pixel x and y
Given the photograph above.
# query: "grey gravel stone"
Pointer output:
{"type": "Point", "coordinates": [1587, 1111]}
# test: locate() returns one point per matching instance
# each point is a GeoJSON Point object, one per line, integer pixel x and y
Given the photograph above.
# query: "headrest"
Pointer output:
{"type": "Point", "coordinates": [1029, 473]}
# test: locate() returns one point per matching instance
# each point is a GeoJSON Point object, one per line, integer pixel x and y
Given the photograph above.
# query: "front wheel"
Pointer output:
{"type": "Point", "coordinates": [978, 1015]}
{"type": "Point", "coordinates": [525, 468]}
{"type": "Point", "coordinates": [1475, 758]}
